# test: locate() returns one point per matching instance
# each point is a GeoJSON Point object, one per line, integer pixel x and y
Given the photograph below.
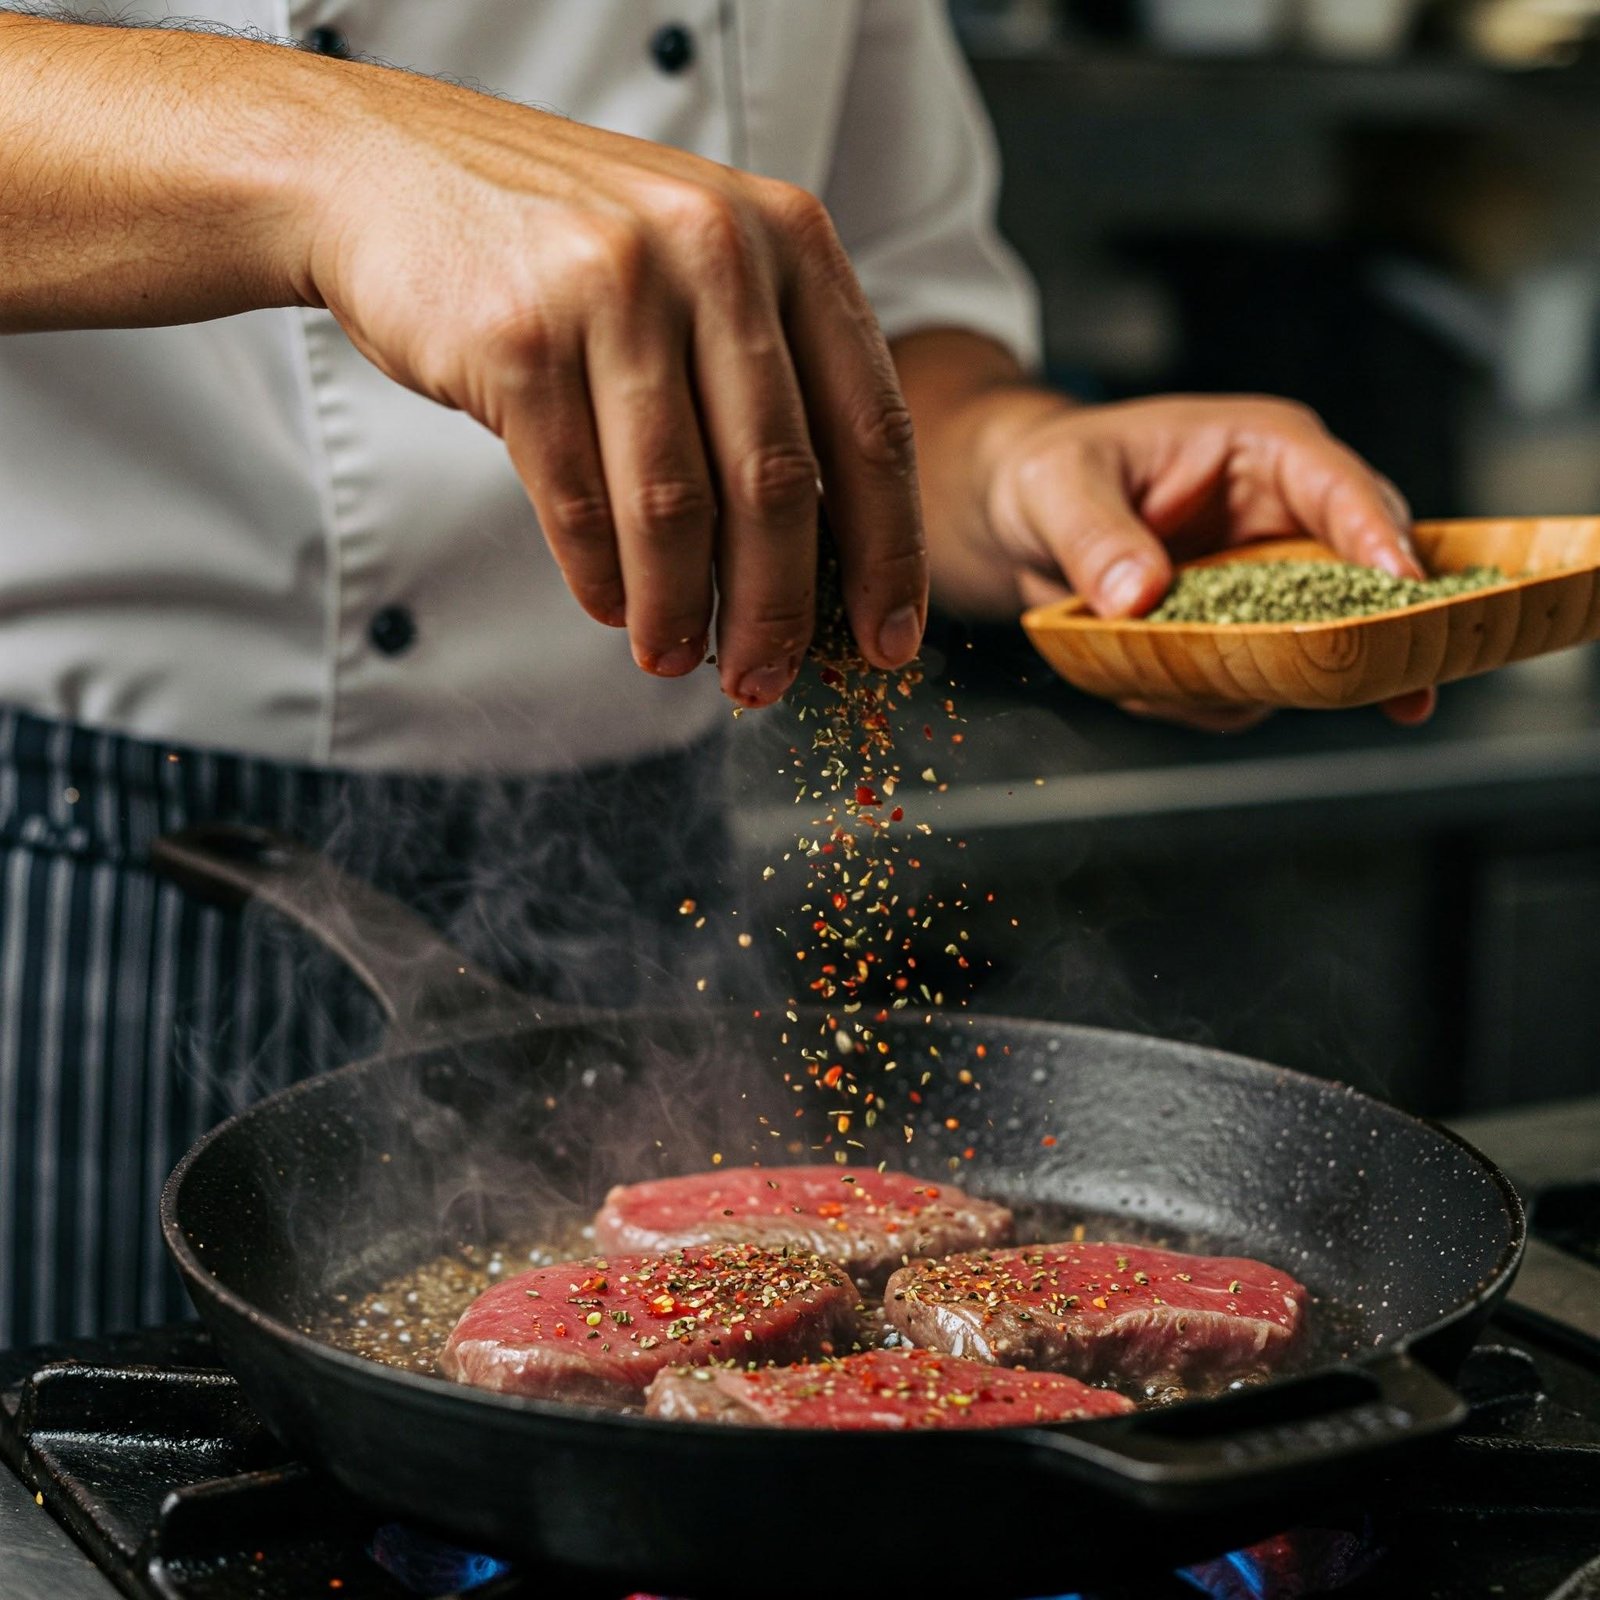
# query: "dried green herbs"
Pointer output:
{"type": "Point", "coordinates": [1304, 591]}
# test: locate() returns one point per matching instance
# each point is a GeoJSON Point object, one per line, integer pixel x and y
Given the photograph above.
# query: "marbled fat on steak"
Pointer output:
{"type": "Point", "coordinates": [879, 1389]}
{"type": "Point", "coordinates": [870, 1222]}
{"type": "Point", "coordinates": [1107, 1313]}
{"type": "Point", "coordinates": [597, 1331]}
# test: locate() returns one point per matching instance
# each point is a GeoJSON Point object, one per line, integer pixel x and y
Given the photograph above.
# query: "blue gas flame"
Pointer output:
{"type": "Point", "coordinates": [429, 1567]}
{"type": "Point", "coordinates": [1239, 1576]}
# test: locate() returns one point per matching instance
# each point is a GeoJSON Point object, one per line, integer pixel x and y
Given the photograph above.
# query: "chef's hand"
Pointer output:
{"type": "Point", "coordinates": [1100, 500]}
{"type": "Point", "coordinates": [675, 353]}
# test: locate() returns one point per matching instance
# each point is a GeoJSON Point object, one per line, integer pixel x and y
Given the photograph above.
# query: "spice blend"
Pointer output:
{"type": "Point", "coordinates": [862, 923]}
{"type": "Point", "coordinates": [1304, 591]}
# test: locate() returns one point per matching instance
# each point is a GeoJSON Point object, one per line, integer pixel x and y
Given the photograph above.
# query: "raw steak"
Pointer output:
{"type": "Point", "coordinates": [870, 1222]}
{"type": "Point", "coordinates": [1107, 1313]}
{"type": "Point", "coordinates": [597, 1331]}
{"type": "Point", "coordinates": [879, 1389]}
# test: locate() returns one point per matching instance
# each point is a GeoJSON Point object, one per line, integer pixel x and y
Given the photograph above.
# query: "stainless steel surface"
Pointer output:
{"type": "Point", "coordinates": [38, 1560]}
{"type": "Point", "coordinates": [1499, 745]}
{"type": "Point", "coordinates": [1540, 1145]}
{"type": "Point", "coordinates": [1560, 1287]}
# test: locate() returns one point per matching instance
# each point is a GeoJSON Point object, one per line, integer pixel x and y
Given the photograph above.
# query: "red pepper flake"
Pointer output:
{"type": "Point", "coordinates": [866, 795]}
{"type": "Point", "coordinates": [830, 1208]}
{"type": "Point", "coordinates": [982, 1051]}
{"type": "Point", "coordinates": [1048, 1141]}
{"type": "Point", "coordinates": [832, 1076]}
{"type": "Point", "coordinates": [898, 814]}
{"type": "Point", "coordinates": [660, 1305]}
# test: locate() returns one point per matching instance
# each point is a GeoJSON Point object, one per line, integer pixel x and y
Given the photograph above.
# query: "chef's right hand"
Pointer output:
{"type": "Point", "coordinates": [674, 353]}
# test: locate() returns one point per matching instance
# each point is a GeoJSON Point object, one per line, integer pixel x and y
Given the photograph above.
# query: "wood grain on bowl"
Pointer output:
{"type": "Point", "coordinates": [1549, 601]}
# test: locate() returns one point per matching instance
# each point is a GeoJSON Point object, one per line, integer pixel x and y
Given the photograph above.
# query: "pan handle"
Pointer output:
{"type": "Point", "coordinates": [1257, 1442]}
{"type": "Point", "coordinates": [423, 983]}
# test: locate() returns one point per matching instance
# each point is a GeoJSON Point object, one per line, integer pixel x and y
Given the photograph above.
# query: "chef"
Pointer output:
{"type": "Point", "coordinates": [400, 400]}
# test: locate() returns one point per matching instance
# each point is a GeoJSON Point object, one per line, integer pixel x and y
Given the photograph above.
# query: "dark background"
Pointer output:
{"type": "Point", "coordinates": [1410, 243]}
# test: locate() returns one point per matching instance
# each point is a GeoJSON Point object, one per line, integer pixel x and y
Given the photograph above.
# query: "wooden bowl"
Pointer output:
{"type": "Point", "coordinates": [1550, 601]}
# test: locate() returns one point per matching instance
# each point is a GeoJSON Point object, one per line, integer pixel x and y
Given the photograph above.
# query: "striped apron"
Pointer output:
{"type": "Point", "coordinates": [132, 1017]}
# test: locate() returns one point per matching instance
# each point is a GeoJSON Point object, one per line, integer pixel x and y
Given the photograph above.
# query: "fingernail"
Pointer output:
{"type": "Point", "coordinates": [900, 635]}
{"type": "Point", "coordinates": [1413, 555]}
{"type": "Point", "coordinates": [683, 657]}
{"type": "Point", "coordinates": [1398, 506]}
{"type": "Point", "coordinates": [762, 685]}
{"type": "Point", "coordinates": [1401, 563]}
{"type": "Point", "coordinates": [1122, 588]}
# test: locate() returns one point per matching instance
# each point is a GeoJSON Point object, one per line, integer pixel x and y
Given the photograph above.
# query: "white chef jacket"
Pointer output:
{"type": "Point", "coordinates": [239, 534]}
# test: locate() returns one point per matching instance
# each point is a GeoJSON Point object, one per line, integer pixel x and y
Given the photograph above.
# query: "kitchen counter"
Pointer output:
{"type": "Point", "coordinates": [1409, 910]}
{"type": "Point", "coordinates": [41, 1560]}
{"type": "Point", "coordinates": [1523, 737]}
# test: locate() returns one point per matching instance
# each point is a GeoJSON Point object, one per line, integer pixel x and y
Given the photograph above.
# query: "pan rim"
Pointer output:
{"type": "Point", "coordinates": [203, 1284]}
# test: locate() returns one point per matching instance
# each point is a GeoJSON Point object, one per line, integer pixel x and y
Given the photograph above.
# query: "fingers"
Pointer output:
{"type": "Point", "coordinates": [551, 438]}
{"type": "Point", "coordinates": [1071, 502]}
{"type": "Point", "coordinates": [1198, 715]}
{"type": "Point", "coordinates": [1411, 710]}
{"type": "Point", "coordinates": [1337, 498]}
{"type": "Point", "coordinates": [861, 430]}
{"type": "Point", "coordinates": [766, 476]}
{"type": "Point", "coordinates": [658, 483]}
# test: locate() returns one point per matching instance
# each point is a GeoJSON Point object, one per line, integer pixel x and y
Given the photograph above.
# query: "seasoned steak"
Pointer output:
{"type": "Point", "coordinates": [870, 1222]}
{"type": "Point", "coordinates": [878, 1389]}
{"type": "Point", "coordinates": [597, 1331]}
{"type": "Point", "coordinates": [1107, 1313]}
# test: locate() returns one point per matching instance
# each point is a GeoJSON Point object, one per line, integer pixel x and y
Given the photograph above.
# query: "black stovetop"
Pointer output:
{"type": "Point", "coordinates": [151, 1458]}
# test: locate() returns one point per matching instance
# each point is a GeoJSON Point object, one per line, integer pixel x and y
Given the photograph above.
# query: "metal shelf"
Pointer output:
{"type": "Point", "coordinates": [1409, 89]}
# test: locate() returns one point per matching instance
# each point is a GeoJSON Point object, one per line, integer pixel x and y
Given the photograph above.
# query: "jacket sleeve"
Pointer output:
{"type": "Point", "coordinates": [914, 181]}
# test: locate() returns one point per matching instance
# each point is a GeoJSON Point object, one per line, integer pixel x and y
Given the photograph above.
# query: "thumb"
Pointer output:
{"type": "Point", "coordinates": [1067, 512]}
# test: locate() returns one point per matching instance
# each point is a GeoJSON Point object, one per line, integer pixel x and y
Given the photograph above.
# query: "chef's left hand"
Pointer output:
{"type": "Point", "coordinates": [1106, 496]}
{"type": "Point", "coordinates": [1099, 500]}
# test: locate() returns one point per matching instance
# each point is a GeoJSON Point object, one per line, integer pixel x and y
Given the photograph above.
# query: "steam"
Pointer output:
{"type": "Point", "coordinates": [571, 888]}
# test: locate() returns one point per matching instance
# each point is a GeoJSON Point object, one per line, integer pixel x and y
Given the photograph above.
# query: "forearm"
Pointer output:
{"type": "Point", "coordinates": [967, 396]}
{"type": "Point", "coordinates": [150, 175]}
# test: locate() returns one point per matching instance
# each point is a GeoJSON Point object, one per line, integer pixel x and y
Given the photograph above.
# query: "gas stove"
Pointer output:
{"type": "Point", "coordinates": [133, 1464]}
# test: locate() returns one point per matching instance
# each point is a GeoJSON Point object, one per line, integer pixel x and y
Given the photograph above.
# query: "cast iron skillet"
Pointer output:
{"type": "Point", "coordinates": [484, 1110]}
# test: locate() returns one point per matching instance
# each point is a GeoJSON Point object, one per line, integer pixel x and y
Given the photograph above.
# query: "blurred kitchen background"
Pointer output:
{"type": "Point", "coordinates": [1389, 209]}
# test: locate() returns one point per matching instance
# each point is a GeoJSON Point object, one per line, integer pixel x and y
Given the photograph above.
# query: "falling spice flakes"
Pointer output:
{"type": "Point", "coordinates": [861, 917]}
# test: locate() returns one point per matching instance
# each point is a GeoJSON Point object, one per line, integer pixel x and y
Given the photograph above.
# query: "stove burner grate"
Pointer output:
{"type": "Point", "coordinates": [153, 1459]}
